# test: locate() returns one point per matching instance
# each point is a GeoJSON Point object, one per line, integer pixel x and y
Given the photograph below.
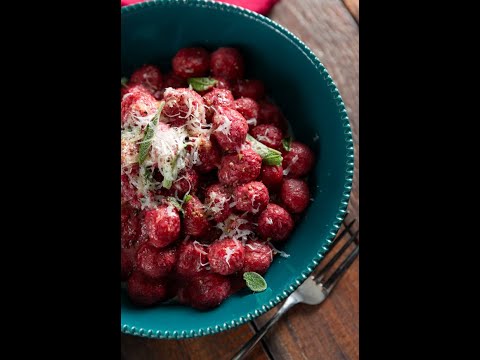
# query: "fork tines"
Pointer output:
{"type": "Point", "coordinates": [319, 276]}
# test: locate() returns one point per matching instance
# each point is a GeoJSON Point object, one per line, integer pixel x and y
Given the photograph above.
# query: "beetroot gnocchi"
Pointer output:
{"type": "Point", "coordinates": [210, 179]}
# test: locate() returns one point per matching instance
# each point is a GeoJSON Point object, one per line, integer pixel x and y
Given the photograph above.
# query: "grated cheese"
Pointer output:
{"type": "Point", "coordinates": [172, 150]}
{"type": "Point", "coordinates": [255, 210]}
{"type": "Point", "coordinates": [289, 167]}
{"type": "Point", "coordinates": [215, 204]}
{"type": "Point", "coordinates": [147, 76]}
{"type": "Point", "coordinates": [264, 137]}
{"type": "Point", "coordinates": [201, 252]}
{"type": "Point", "coordinates": [194, 118]}
{"type": "Point", "coordinates": [129, 154]}
{"type": "Point", "coordinates": [170, 210]}
{"type": "Point", "coordinates": [279, 252]}
{"type": "Point", "coordinates": [231, 228]}
{"type": "Point", "coordinates": [134, 118]}
{"type": "Point", "coordinates": [229, 252]}
{"type": "Point", "coordinates": [168, 152]}
{"type": "Point", "coordinates": [224, 128]}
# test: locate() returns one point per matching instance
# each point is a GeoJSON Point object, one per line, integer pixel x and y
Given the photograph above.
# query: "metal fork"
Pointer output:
{"type": "Point", "coordinates": [313, 291]}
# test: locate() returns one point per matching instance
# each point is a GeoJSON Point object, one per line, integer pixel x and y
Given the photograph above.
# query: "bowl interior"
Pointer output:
{"type": "Point", "coordinates": [152, 33]}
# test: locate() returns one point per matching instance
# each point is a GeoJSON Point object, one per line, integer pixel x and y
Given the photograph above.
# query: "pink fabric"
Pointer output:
{"type": "Point", "coordinates": [259, 6]}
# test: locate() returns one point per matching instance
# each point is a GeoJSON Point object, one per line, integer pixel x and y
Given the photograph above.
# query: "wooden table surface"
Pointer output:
{"type": "Point", "coordinates": [330, 331]}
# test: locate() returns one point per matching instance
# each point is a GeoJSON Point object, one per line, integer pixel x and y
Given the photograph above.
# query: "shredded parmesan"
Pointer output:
{"type": "Point", "coordinates": [172, 149]}
{"type": "Point", "coordinates": [264, 137]}
{"type": "Point", "coordinates": [201, 252]}
{"type": "Point", "coordinates": [170, 210]}
{"type": "Point", "coordinates": [147, 76]}
{"type": "Point", "coordinates": [129, 155]}
{"type": "Point", "coordinates": [226, 125]}
{"type": "Point", "coordinates": [289, 167]}
{"type": "Point", "coordinates": [255, 210]}
{"type": "Point", "coordinates": [231, 228]}
{"type": "Point", "coordinates": [215, 204]}
{"type": "Point", "coordinates": [228, 254]}
{"type": "Point", "coordinates": [127, 95]}
{"type": "Point", "coordinates": [279, 252]}
{"type": "Point", "coordinates": [135, 119]}
{"type": "Point", "coordinates": [168, 152]}
{"type": "Point", "coordinates": [144, 184]}
{"type": "Point", "coordinates": [194, 118]}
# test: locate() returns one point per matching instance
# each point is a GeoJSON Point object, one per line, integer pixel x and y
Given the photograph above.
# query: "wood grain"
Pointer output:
{"type": "Point", "coordinates": [221, 346]}
{"type": "Point", "coordinates": [328, 331]}
{"type": "Point", "coordinates": [353, 7]}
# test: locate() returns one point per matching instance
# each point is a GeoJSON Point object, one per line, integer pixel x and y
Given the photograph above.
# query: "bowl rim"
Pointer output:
{"type": "Point", "coordinates": [342, 210]}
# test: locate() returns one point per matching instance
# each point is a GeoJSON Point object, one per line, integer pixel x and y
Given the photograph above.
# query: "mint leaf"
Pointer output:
{"type": "Point", "coordinates": [148, 175]}
{"type": "Point", "coordinates": [269, 156]}
{"type": "Point", "coordinates": [167, 184]}
{"type": "Point", "coordinates": [202, 84]}
{"type": "Point", "coordinates": [147, 141]}
{"type": "Point", "coordinates": [287, 143]}
{"type": "Point", "coordinates": [255, 281]}
{"type": "Point", "coordinates": [174, 202]}
{"type": "Point", "coordinates": [273, 159]}
{"type": "Point", "coordinates": [148, 136]}
{"type": "Point", "coordinates": [124, 81]}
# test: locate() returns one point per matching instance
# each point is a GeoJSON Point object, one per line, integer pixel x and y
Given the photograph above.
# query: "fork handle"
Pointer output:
{"type": "Point", "coordinates": [248, 347]}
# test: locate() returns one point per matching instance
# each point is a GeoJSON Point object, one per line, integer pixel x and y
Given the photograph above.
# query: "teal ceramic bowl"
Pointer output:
{"type": "Point", "coordinates": [152, 32]}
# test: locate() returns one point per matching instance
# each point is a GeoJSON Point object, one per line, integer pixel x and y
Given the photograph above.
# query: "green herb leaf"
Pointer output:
{"type": "Point", "coordinates": [145, 178]}
{"type": "Point", "coordinates": [174, 202]}
{"type": "Point", "coordinates": [269, 156]}
{"type": "Point", "coordinates": [255, 281]}
{"type": "Point", "coordinates": [148, 136]}
{"type": "Point", "coordinates": [187, 198]}
{"type": "Point", "coordinates": [273, 159]}
{"type": "Point", "coordinates": [202, 84]}
{"type": "Point", "coordinates": [287, 143]}
{"type": "Point", "coordinates": [124, 81]}
{"type": "Point", "coordinates": [147, 141]}
{"type": "Point", "coordinates": [167, 184]}
{"type": "Point", "coordinates": [148, 175]}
